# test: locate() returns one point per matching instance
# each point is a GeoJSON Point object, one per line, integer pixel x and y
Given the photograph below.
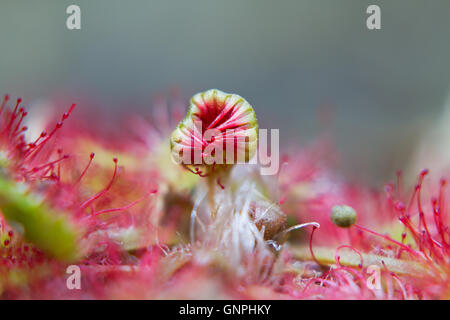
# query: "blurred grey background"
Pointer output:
{"type": "Point", "coordinates": [289, 59]}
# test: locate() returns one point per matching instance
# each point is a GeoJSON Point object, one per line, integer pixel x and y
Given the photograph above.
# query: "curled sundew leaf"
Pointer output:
{"type": "Point", "coordinates": [326, 256]}
{"type": "Point", "coordinates": [50, 230]}
{"type": "Point", "coordinates": [220, 129]}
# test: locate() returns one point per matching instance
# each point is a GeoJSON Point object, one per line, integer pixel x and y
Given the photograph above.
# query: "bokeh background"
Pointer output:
{"type": "Point", "coordinates": [290, 59]}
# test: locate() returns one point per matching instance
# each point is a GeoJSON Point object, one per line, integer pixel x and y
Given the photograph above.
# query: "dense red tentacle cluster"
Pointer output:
{"type": "Point", "coordinates": [135, 210]}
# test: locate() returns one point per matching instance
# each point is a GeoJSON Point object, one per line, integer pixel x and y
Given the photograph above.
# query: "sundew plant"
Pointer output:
{"type": "Point", "coordinates": [140, 219]}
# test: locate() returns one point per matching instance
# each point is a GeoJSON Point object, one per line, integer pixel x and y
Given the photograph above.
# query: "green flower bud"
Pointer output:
{"type": "Point", "coordinates": [343, 216]}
